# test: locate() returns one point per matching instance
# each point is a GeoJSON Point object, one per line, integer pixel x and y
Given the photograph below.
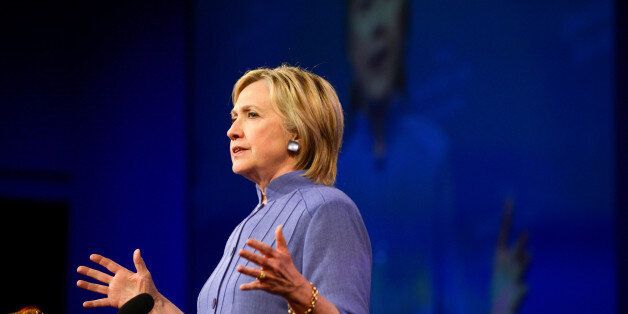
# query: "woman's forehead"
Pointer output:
{"type": "Point", "coordinates": [258, 91]}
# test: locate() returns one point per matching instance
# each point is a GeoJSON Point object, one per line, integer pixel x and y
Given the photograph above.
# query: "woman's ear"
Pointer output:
{"type": "Point", "coordinates": [294, 135]}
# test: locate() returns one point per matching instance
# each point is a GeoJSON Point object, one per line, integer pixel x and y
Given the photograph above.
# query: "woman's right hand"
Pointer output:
{"type": "Point", "coordinates": [121, 285]}
{"type": "Point", "coordinates": [508, 287]}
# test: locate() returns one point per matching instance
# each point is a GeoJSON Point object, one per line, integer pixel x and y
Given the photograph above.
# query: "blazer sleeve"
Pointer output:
{"type": "Point", "coordinates": [337, 255]}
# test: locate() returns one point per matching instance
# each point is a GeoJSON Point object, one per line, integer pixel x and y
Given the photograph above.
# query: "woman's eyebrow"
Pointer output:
{"type": "Point", "coordinates": [244, 108]}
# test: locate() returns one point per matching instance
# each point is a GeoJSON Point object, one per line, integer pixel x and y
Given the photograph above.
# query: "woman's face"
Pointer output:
{"type": "Point", "coordinates": [258, 137]}
{"type": "Point", "coordinates": [375, 43]}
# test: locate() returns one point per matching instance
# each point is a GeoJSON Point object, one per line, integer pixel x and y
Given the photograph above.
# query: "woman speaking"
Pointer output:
{"type": "Point", "coordinates": [303, 248]}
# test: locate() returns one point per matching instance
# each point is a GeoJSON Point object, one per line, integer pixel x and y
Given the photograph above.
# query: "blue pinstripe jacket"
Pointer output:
{"type": "Point", "coordinates": [327, 240]}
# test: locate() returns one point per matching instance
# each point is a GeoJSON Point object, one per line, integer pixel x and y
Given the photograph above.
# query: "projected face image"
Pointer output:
{"type": "Point", "coordinates": [375, 44]}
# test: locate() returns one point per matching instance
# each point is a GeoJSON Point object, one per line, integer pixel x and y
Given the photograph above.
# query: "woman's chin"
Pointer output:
{"type": "Point", "coordinates": [239, 169]}
{"type": "Point", "coordinates": [236, 169]}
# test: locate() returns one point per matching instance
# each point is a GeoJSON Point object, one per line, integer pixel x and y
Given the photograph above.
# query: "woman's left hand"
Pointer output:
{"type": "Point", "coordinates": [277, 274]}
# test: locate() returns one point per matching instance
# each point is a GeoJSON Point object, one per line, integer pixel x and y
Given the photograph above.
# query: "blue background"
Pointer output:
{"type": "Point", "coordinates": [121, 111]}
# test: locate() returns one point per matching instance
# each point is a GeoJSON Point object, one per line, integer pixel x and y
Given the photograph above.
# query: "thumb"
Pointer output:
{"type": "Point", "coordinates": [140, 266]}
{"type": "Point", "coordinates": [281, 241]}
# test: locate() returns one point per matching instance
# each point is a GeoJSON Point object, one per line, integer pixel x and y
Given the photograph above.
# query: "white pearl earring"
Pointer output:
{"type": "Point", "coordinates": [293, 146]}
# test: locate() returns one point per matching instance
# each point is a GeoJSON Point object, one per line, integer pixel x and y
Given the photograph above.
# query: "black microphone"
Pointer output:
{"type": "Point", "coordinates": [139, 304]}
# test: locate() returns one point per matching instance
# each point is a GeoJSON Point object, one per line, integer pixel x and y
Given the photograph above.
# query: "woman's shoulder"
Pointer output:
{"type": "Point", "coordinates": [333, 215]}
{"type": "Point", "coordinates": [322, 197]}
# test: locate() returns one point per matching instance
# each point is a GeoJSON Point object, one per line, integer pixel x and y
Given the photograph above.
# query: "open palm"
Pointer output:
{"type": "Point", "coordinates": [119, 287]}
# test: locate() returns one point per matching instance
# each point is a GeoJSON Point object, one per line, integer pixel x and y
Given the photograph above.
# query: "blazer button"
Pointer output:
{"type": "Point", "coordinates": [214, 303]}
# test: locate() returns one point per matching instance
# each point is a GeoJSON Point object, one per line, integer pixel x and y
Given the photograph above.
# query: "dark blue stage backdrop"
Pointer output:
{"type": "Point", "coordinates": [502, 102]}
{"type": "Point", "coordinates": [456, 111]}
{"type": "Point", "coordinates": [92, 117]}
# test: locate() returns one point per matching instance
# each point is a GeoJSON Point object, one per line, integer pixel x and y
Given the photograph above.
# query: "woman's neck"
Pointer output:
{"type": "Point", "coordinates": [264, 183]}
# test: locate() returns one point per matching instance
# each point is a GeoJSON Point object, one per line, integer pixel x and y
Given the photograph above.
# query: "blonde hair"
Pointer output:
{"type": "Point", "coordinates": [310, 109]}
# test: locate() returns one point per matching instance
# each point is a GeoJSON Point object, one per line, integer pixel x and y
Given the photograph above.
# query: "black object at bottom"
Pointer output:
{"type": "Point", "coordinates": [139, 304]}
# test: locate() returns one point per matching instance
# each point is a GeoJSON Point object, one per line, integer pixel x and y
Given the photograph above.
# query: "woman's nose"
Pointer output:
{"type": "Point", "coordinates": [234, 132]}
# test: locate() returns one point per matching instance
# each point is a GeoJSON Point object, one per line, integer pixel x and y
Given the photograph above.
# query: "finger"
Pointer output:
{"type": "Point", "coordinates": [253, 285]}
{"type": "Point", "coordinates": [96, 303]}
{"type": "Point", "coordinates": [96, 274]}
{"type": "Point", "coordinates": [140, 265]}
{"type": "Point", "coordinates": [504, 230]}
{"type": "Point", "coordinates": [255, 258]}
{"type": "Point", "coordinates": [260, 246]}
{"type": "Point", "coordinates": [105, 262]}
{"type": "Point", "coordinates": [255, 272]}
{"type": "Point", "coordinates": [92, 287]}
{"type": "Point", "coordinates": [525, 262]}
{"type": "Point", "coordinates": [281, 241]}
{"type": "Point", "coordinates": [519, 248]}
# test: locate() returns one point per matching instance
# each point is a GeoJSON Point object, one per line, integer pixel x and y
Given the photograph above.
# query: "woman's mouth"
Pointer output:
{"type": "Point", "coordinates": [236, 150]}
{"type": "Point", "coordinates": [378, 59]}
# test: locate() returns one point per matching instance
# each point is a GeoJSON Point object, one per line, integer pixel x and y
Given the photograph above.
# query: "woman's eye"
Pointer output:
{"type": "Point", "coordinates": [252, 114]}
